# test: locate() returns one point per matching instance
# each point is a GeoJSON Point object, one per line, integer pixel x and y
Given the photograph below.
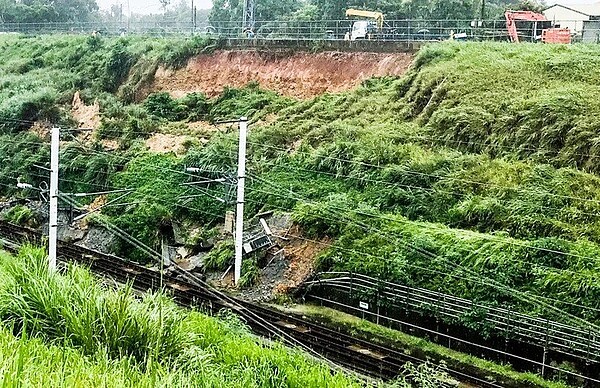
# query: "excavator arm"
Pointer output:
{"type": "Point", "coordinates": [512, 16]}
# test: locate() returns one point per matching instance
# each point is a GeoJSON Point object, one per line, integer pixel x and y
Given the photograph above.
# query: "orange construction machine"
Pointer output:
{"type": "Point", "coordinates": [533, 27]}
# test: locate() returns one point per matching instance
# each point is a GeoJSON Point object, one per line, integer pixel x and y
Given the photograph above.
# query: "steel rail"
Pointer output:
{"type": "Point", "coordinates": [355, 353]}
{"type": "Point", "coordinates": [571, 340]}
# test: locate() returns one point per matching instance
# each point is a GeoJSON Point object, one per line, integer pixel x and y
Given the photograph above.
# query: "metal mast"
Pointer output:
{"type": "Point", "coordinates": [239, 214]}
{"type": "Point", "coordinates": [53, 224]}
{"type": "Point", "coordinates": [248, 23]}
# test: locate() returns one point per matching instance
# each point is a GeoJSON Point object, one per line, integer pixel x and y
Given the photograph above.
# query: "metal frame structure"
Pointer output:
{"type": "Point", "coordinates": [248, 21]}
{"type": "Point", "coordinates": [392, 30]}
{"type": "Point", "coordinates": [579, 342]}
{"type": "Point", "coordinates": [364, 295]}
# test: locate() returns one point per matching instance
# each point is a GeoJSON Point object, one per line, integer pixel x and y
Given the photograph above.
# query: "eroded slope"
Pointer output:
{"type": "Point", "coordinates": [298, 74]}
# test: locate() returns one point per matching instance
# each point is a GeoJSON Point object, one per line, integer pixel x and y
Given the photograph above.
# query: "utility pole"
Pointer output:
{"type": "Point", "coordinates": [239, 214]}
{"type": "Point", "coordinates": [193, 29]}
{"type": "Point", "coordinates": [53, 223]}
{"type": "Point", "coordinates": [248, 20]}
{"type": "Point", "coordinates": [482, 10]}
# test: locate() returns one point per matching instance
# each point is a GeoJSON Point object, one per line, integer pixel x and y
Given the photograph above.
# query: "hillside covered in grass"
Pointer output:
{"type": "Point", "coordinates": [474, 174]}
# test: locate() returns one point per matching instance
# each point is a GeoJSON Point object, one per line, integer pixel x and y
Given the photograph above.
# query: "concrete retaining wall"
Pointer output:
{"type": "Point", "coordinates": [325, 45]}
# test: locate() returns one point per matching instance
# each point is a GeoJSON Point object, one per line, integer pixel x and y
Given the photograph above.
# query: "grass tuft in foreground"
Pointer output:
{"type": "Point", "coordinates": [72, 331]}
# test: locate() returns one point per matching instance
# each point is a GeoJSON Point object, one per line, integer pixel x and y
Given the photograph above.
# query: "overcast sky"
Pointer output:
{"type": "Point", "coordinates": [148, 6]}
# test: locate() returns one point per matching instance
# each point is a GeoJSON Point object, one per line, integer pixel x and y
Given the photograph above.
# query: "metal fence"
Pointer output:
{"type": "Point", "coordinates": [393, 30]}
{"type": "Point", "coordinates": [579, 342]}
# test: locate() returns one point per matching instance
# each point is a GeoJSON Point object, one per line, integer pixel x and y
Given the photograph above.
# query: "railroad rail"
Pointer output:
{"type": "Point", "coordinates": [580, 342]}
{"type": "Point", "coordinates": [398, 305]}
{"type": "Point", "coordinates": [356, 354]}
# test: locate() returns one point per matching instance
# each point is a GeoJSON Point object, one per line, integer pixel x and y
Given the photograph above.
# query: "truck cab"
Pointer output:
{"type": "Point", "coordinates": [363, 29]}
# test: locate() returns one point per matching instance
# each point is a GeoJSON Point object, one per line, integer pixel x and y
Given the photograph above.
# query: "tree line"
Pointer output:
{"type": "Point", "coordinates": [314, 10]}
{"type": "Point", "coordinates": [36, 11]}
{"type": "Point", "coordinates": [32, 11]}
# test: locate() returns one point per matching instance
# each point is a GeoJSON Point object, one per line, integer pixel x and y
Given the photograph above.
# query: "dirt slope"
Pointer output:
{"type": "Point", "coordinates": [299, 74]}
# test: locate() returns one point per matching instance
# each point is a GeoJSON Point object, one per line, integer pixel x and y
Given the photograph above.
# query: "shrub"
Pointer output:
{"type": "Point", "coordinates": [163, 105]}
{"type": "Point", "coordinates": [20, 215]}
{"type": "Point", "coordinates": [220, 256]}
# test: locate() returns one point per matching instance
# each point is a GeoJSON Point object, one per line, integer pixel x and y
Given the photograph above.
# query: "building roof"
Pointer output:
{"type": "Point", "coordinates": [584, 9]}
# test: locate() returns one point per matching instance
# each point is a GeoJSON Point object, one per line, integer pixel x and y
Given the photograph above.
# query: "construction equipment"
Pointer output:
{"type": "Point", "coordinates": [365, 29]}
{"type": "Point", "coordinates": [537, 28]}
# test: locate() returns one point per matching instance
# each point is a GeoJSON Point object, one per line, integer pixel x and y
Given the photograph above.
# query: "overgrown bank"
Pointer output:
{"type": "Point", "coordinates": [412, 186]}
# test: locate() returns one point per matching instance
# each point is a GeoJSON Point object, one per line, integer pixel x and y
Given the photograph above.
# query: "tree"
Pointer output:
{"type": "Point", "coordinates": [165, 4]}
{"type": "Point", "coordinates": [529, 5]}
{"type": "Point", "coordinates": [38, 11]}
{"type": "Point", "coordinates": [266, 10]}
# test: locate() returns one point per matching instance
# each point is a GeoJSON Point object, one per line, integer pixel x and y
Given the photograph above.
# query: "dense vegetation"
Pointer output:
{"type": "Point", "coordinates": [111, 336]}
{"type": "Point", "coordinates": [314, 10]}
{"type": "Point", "coordinates": [475, 173]}
{"type": "Point", "coordinates": [484, 209]}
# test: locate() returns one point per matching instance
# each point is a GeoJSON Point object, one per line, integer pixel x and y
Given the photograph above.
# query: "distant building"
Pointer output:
{"type": "Point", "coordinates": [582, 19]}
{"type": "Point", "coordinates": [591, 31]}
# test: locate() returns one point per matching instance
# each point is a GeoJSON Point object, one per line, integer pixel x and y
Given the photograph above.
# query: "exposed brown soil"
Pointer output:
{"type": "Point", "coordinates": [41, 129]}
{"type": "Point", "coordinates": [162, 143]}
{"type": "Point", "coordinates": [87, 116]}
{"type": "Point", "coordinates": [301, 254]}
{"type": "Point", "coordinates": [296, 74]}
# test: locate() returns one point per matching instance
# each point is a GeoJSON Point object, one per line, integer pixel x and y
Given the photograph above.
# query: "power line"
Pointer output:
{"type": "Point", "coordinates": [401, 185]}
{"type": "Point", "coordinates": [403, 170]}
{"type": "Point", "coordinates": [412, 172]}
{"type": "Point", "coordinates": [479, 235]}
{"type": "Point", "coordinates": [493, 238]}
{"type": "Point", "coordinates": [269, 193]}
{"type": "Point", "coordinates": [387, 218]}
{"type": "Point", "coordinates": [180, 172]}
{"type": "Point", "coordinates": [517, 293]}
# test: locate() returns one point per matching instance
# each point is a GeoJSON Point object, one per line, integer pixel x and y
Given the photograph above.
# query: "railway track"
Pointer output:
{"type": "Point", "coordinates": [356, 354]}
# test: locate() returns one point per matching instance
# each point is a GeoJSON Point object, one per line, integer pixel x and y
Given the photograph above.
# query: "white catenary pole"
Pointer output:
{"type": "Point", "coordinates": [53, 224]}
{"type": "Point", "coordinates": [239, 214]}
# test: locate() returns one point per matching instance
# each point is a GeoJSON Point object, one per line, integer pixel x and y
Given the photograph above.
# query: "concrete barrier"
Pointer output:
{"type": "Point", "coordinates": [325, 45]}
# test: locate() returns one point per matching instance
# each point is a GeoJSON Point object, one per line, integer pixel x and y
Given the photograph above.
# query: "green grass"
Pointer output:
{"type": "Point", "coordinates": [480, 152]}
{"type": "Point", "coordinates": [71, 330]}
{"type": "Point", "coordinates": [527, 101]}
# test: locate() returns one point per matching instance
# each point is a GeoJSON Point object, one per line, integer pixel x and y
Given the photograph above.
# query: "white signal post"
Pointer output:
{"type": "Point", "coordinates": [53, 223]}
{"type": "Point", "coordinates": [239, 214]}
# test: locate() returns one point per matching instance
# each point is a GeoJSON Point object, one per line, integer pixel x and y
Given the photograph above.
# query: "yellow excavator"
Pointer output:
{"type": "Point", "coordinates": [365, 29]}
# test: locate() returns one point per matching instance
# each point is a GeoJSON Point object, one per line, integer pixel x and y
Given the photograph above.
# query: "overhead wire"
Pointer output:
{"type": "Point", "coordinates": [402, 170]}
{"type": "Point", "coordinates": [220, 296]}
{"type": "Point", "coordinates": [183, 173]}
{"type": "Point", "coordinates": [416, 187]}
{"type": "Point", "coordinates": [412, 172]}
{"type": "Point", "coordinates": [360, 163]}
{"type": "Point", "coordinates": [515, 260]}
{"type": "Point", "coordinates": [477, 280]}
{"type": "Point", "coordinates": [433, 227]}
{"type": "Point", "coordinates": [406, 186]}
{"type": "Point", "coordinates": [461, 277]}
{"type": "Point", "coordinates": [465, 231]}
{"type": "Point", "coordinates": [519, 294]}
